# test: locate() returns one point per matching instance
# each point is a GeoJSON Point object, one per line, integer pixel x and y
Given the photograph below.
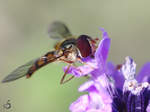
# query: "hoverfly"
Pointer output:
{"type": "Point", "coordinates": [69, 50]}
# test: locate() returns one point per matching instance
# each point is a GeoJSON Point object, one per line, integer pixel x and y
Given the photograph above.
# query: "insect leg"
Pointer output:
{"type": "Point", "coordinates": [62, 81]}
{"type": "Point", "coordinates": [67, 80]}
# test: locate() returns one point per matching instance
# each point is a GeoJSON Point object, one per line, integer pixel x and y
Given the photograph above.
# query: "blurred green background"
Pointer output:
{"type": "Point", "coordinates": [23, 36]}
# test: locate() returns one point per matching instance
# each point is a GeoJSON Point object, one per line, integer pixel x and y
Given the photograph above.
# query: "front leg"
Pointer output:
{"type": "Point", "coordinates": [62, 81]}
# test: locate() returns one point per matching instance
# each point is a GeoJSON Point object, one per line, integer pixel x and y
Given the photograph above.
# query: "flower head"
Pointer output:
{"type": "Point", "coordinates": [110, 89]}
{"type": "Point", "coordinates": [98, 99]}
{"type": "Point", "coordinates": [134, 96]}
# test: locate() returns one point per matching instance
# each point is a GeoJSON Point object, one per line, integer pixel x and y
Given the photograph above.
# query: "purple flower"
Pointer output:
{"type": "Point", "coordinates": [135, 95]}
{"type": "Point", "coordinates": [98, 99]}
{"type": "Point", "coordinates": [110, 89]}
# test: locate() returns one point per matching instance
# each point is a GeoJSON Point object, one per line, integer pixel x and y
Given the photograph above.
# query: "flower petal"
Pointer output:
{"type": "Point", "coordinates": [80, 105]}
{"type": "Point", "coordinates": [106, 108]}
{"type": "Point", "coordinates": [87, 86]}
{"type": "Point", "coordinates": [82, 70]}
{"type": "Point", "coordinates": [128, 69]}
{"type": "Point", "coordinates": [115, 74]}
{"type": "Point", "coordinates": [102, 86]}
{"type": "Point", "coordinates": [101, 53]}
{"type": "Point", "coordinates": [99, 99]}
{"type": "Point", "coordinates": [110, 68]}
{"type": "Point", "coordinates": [144, 74]}
{"type": "Point", "coordinates": [96, 100]}
{"type": "Point", "coordinates": [99, 103]}
{"type": "Point", "coordinates": [148, 107]}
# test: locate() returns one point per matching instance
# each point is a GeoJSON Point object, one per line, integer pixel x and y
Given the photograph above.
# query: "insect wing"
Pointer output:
{"type": "Point", "coordinates": [19, 72]}
{"type": "Point", "coordinates": [58, 30]}
{"type": "Point", "coordinates": [29, 68]}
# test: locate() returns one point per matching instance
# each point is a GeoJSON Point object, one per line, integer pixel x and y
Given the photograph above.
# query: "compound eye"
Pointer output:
{"type": "Point", "coordinates": [84, 46]}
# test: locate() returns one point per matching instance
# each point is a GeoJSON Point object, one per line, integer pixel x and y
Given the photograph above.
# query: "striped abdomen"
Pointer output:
{"type": "Point", "coordinates": [44, 60]}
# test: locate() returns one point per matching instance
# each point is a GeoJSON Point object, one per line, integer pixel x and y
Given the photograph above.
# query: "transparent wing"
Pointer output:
{"type": "Point", "coordinates": [29, 68]}
{"type": "Point", "coordinates": [58, 30]}
{"type": "Point", "coordinates": [19, 72]}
